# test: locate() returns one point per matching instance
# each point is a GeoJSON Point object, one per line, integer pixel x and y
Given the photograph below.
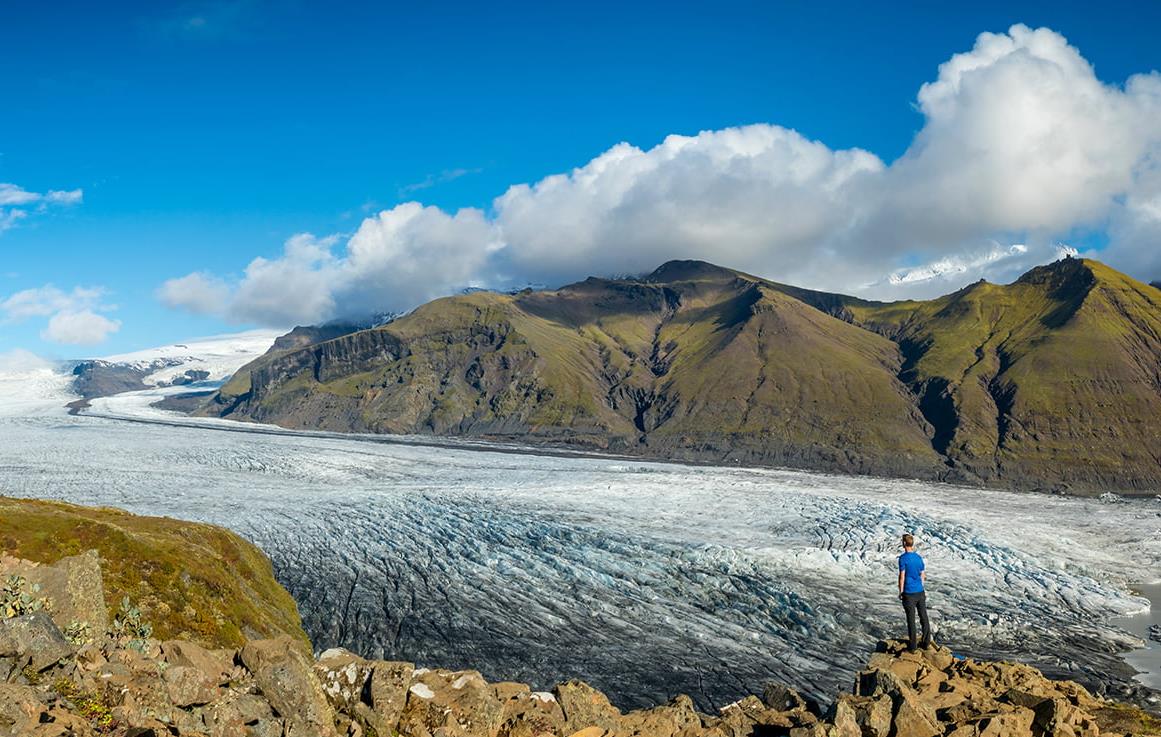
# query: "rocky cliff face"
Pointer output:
{"type": "Point", "coordinates": [57, 678]}
{"type": "Point", "coordinates": [1047, 383]}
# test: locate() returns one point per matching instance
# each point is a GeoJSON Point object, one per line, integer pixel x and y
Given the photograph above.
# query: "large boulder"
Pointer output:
{"type": "Point", "coordinates": [845, 719]}
{"type": "Point", "coordinates": [286, 679]}
{"type": "Point", "coordinates": [584, 706]}
{"type": "Point", "coordinates": [678, 718]}
{"type": "Point", "coordinates": [73, 586]}
{"type": "Point", "coordinates": [872, 715]}
{"type": "Point", "coordinates": [528, 714]}
{"type": "Point", "coordinates": [343, 676]}
{"type": "Point", "coordinates": [461, 703]}
{"type": "Point", "coordinates": [913, 717]}
{"type": "Point", "coordinates": [1013, 722]}
{"type": "Point", "coordinates": [188, 686]}
{"type": "Point", "coordinates": [878, 682]}
{"type": "Point", "coordinates": [780, 697]}
{"type": "Point", "coordinates": [33, 640]}
{"type": "Point", "coordinates": [387, 689]}
{"type": "Point", "coordinates": [1059, 718]}
{"type": "Point", "coordinates": [216, 665]}
{"type": "Point", "coordinates": [239, 714]}
{"type": "Point", "coordinates": [742, 718]}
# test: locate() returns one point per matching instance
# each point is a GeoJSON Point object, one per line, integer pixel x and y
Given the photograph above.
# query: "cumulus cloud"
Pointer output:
{"type": "Point", "coordinates": [17, 203]}
{"type": "Point", "coordinates": [396, 259]}
{"type": "Point", "coordinates": [199, 292]}
{"type": "Point", "coordinates": [79, 328]}
{"type": "Point", "coordinates": [1021, 145]}
{"type": "Point", "coordinates": [73, 317]}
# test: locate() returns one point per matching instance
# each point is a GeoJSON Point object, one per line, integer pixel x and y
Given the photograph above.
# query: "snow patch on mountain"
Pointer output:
{"type": "Point", "coordinates": [219, 356]}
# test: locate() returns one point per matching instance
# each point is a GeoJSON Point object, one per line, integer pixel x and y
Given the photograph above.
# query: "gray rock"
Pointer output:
{"type": "Point", "coordinates": [215, 664]}
{"type": "Point", "coordinates": [343, 676]}
{"type": "Point", "coordinates": [73, 585]}
{"type": "Point", "coordinates": [287, 680]}
{"type": "Point", "coordinates": [34, 639]}
{"type": "Point", "coordinates": [189, 686]}
{"type": "Point", "coordinates": [388, 689]}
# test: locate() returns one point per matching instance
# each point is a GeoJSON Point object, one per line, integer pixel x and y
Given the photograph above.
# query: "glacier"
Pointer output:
{"type": "Point", "coordinates": [646, 579]}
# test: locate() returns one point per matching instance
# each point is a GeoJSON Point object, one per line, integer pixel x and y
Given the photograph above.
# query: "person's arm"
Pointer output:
{"type": "Point", "coordinates": [902, 576]}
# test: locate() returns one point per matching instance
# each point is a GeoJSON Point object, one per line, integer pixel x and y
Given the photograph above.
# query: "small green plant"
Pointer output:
{"type": "Point", "coordinates": [88, 706]}
{"type": "Point", "coordinates": [129, 627]}
{"type": "Point", "coordinates": [31, 675]}
{"type": "Point", "coordinates": [18, 598]}
{"type": "Point", "coordinates": [78, 633]}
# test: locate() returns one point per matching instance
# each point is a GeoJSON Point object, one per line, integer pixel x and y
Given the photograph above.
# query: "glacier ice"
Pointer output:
{"type": "Point", "coordinates": [646, 579]}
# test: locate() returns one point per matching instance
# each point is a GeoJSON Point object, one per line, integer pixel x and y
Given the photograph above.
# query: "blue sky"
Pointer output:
{"type": "Point", "coordinates": [206, 134]}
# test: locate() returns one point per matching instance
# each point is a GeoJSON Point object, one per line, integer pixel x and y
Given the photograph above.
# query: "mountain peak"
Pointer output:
{"type": "Point", "coordinates": [689, 270]}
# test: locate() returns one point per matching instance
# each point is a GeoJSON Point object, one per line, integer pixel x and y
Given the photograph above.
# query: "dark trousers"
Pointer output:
{"type": "Point", "coordinates": [911, 604]}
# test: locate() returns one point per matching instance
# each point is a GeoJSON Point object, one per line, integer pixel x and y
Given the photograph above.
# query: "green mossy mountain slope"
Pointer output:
{"type": "Point", "coordinates": [192, 581]}
{"type": "Point", "coordinates": [1053, 381]}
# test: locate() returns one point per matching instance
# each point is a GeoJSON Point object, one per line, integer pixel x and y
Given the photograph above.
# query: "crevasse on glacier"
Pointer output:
{"type": "Point", "coordinates": [646, 579]}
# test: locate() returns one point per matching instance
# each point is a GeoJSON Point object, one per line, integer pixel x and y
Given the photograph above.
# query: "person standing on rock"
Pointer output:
{"type": "Point", "coordinates": [912, 576]}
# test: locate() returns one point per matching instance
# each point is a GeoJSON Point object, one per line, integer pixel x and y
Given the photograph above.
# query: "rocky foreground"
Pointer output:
{"type": "Point", "coordinates": [64, 676]}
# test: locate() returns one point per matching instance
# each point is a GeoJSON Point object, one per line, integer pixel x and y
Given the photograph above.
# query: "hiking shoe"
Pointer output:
{"type": "Point", "coordinates": [927, 645]}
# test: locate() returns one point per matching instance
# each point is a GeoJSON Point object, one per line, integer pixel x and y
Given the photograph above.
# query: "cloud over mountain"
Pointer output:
{"type": "Point", "coordinates": [1021, 144]}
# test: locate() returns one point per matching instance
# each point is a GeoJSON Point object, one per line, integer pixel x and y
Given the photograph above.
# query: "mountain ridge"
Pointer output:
{"type": "Point", "coordinates": [1050, 382]}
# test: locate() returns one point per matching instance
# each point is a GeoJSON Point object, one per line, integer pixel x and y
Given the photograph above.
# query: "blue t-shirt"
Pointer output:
{"type": "Point", "coordinates": [911, 565]}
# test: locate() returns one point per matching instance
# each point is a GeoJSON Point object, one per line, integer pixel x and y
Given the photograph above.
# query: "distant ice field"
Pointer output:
{"type": "Point", "coordinates": [646, 579]}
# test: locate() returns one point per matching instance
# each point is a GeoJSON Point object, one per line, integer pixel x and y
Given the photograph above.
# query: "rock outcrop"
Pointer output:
{"type": "Point", "coordinates": [192, 581]}
{"type": "Point", "coordinates": [57, 681]}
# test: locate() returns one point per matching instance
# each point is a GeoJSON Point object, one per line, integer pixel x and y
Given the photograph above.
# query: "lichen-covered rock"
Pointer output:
{"type": "Point", "coordinates": [217, 665]}
{"type": "Point", "coordinates": [678, 718]}
{"type": "Point", "coordinates": [388, 688]}
{"type": "Point", "coordinates": [188, 686]}
{"type": "Point", "coordinates": [287, 680]}
{"type": "Point", "coordinates": [528, 714]}
{"type": "Point", "coordinates": [460, 703]}
{"type": "Point", "coordinates": [584, 706]}
{"type": "Point", "coordinates": [73, 586]}
{"type": "Point", "coordinates": [34, 640]}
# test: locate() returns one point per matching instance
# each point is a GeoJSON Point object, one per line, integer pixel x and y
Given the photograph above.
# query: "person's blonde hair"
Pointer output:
{"type": "Point", "coordinates": [908, 541]}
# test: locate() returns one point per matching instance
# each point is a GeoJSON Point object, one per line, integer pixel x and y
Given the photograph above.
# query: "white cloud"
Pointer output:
{"type": "Point", "coordinates": [398, 258]}
{"type": "Point", "coordinates": [16, 203]}
{"type": "Point", "coordinates": [1020, 143]}
{"type": "Point", "coordinates": [79, 328]}
{"type": "Point", "coordinates": [198, 292]}
{"type": "Point", "coordinates": [44, 301]}
{"type": "Point", "coordinates": [10, 194]}
{"type": "Point", "coordinates": [65, 197]}
{"type": "Point", "coordinates": [738, 196]}
{"type": "Point", "coordinates": [73, 317]}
